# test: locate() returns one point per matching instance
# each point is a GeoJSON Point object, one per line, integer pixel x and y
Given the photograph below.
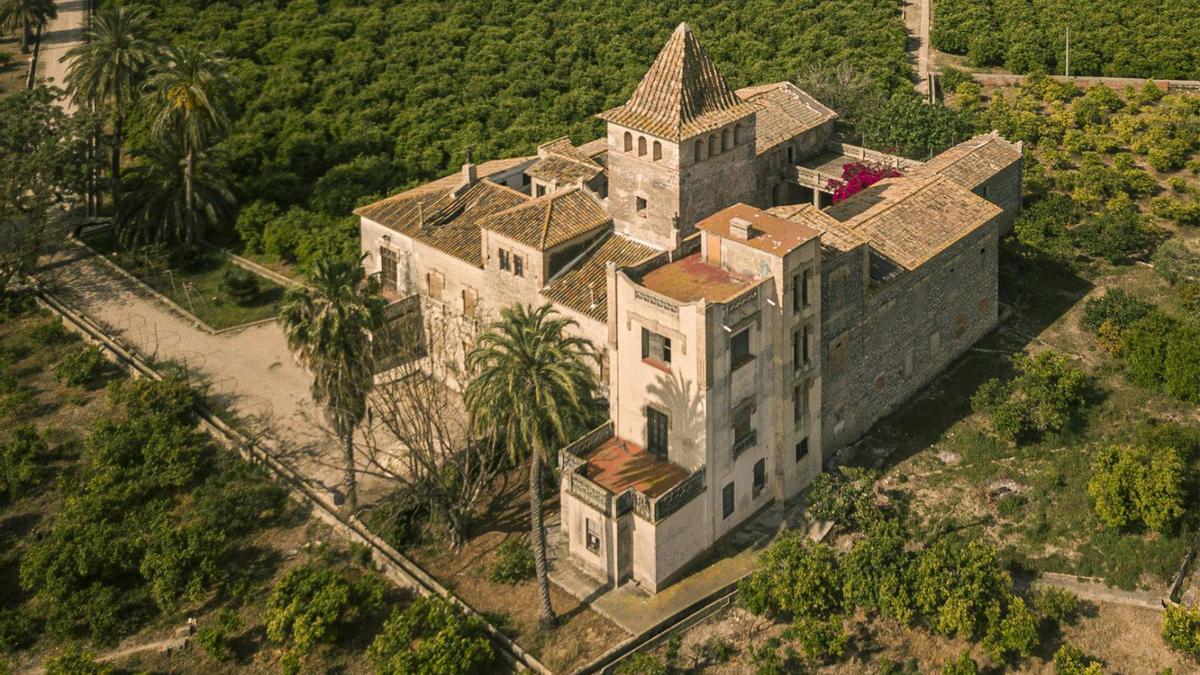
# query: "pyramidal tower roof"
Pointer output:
{"type": "Point", "coordinates": [682, 95]}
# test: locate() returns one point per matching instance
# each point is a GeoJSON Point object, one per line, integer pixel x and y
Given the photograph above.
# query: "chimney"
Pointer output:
{"type": "Point", "coordinates": [739, 228]}
{"type": "Point", "coordinates": [470, 172]}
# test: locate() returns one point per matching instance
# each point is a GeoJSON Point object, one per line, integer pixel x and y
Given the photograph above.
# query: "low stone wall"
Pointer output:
{"type": "Point", "coordinates": [1118, 83]}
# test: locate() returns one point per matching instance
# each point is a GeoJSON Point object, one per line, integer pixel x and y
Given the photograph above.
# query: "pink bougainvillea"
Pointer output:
{"type": "Point", "coordinates": [856, 176]}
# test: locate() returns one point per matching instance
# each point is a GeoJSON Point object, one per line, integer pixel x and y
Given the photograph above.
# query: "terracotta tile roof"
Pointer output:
{"type": "Point", "coordinates": [561, 163]}
{"type": "Point", "coordinates": [433, 215]}
{"type": "Point", "coordinates": [691, 278]}
{"type": "Point", "coordinates": [834, 238]}
{"type": "Point", "coordinates": [682, 95]}
{"type": "Point", "coordinates": [618, 465]}
{"type": "Point", "coordinates": [784, 111]}
{"type": "Point", "coordinates": [595, 150]}
{"type": "Point", "coordinates": [548, 221]}
{"type": "Point", "coordinates": [973, 161]}
{"type": "Point", "coordinates": [583, 288]}
{"type": "Point", "coordinates": [911, 219]}
{"type": "Point", "coordinates": [769, 233]}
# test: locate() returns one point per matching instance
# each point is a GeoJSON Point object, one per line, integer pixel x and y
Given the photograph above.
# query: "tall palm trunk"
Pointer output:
{"type": "Point", "coordinates": [188, 172]}
{"type": "Point", "coordinates": [26, 36]}
{"type": "Point", "coordinates": [118, 140]}
{"type": "Point", "coordinates": [351, 478]}
{"type": "Point", "coordinates": [546, 617]}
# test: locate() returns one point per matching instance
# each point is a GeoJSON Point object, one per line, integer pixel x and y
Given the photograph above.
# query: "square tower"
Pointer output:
{"type": "Point", "coordinates": [681, 148]}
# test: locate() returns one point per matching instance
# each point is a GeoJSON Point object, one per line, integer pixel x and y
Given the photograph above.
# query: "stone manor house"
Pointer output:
{"type": "Point", "coordinates": [751, 327]}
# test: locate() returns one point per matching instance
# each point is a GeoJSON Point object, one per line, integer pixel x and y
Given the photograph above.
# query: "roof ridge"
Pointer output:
{"type": "Point", "coordinates": [546, 225]}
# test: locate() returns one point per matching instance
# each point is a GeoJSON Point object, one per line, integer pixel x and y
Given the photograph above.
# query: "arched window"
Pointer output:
{"type": "Point", "coordinates": [657, 151]}
{"type": "Point", "coordinates": [641, 146]}
{"type": "Point", "coordinates": [738, 137]}
{"type": "Point", "coordinates": [699, 150]}
{"type": "Point", "coordinates": [726, 139]}
{"type": "Point", "coordinates": [628, 141]}
{"type": "Point", "coordinates": [712, 146]}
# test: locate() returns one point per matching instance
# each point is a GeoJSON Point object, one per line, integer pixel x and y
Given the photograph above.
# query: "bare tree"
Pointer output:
{"type": "Point", "coordinates": [841, 86]}
{"type": "Point", "coordinates": [420, 436]}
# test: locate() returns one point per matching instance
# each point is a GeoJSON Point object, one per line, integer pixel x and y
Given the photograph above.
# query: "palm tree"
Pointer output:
{"type": "Point", "coordinates": [329, 328]}
{"type": "Point", "coordinates": [156, 208]}
{"type": "Point", "coordinates": [192, 91]}
{"type": "Point", "coordinates": [25, 15]}
{"type": "Point", "coordinates": [107, 70]}
{"type": "Point", "coordinates": [532, 385]}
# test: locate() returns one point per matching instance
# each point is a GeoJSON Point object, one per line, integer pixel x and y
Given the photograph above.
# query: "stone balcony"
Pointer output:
{"type": "Point", "coordinates": [616, 476]}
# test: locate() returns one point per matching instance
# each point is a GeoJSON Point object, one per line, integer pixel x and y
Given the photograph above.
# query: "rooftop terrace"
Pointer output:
{"type": "Point", "coordinates": [618, 465]}
{"type": "Point", "coordinates": [691, 278]}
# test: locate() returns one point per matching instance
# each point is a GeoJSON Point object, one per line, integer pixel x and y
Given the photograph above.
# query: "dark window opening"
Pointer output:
{"type": "Point", "coordinates": [656, 432]}
{"type": "Point", "coordinates": [760, 477]}
{"type": "Point", "coordinates": [656, 347]}
{"type": "Point", "coordinates": [540, 191]}
{"type": "Point", "coordinates": [727, 501]}
{"type": "Point", "coordinates": [739, 349]}
{"type": "Point", "coordinates": [802, 449]}
{"type": "Point", "coordinates": [504, 264]}
{"type": "Point", "coordinates": [799, 404]}
{"type": "Point", "coordinates": [518, 266]}
{"type": "Point", "coordinates": [743, 433]}
{"type": "Point", "coordinates": [640, 206]}
{"type": "Point", "coordinates": [791, 154]}
{"type": "Point", "coordinates": [387, 264]}
{"type": "Point", "coordinates": [592, 535]}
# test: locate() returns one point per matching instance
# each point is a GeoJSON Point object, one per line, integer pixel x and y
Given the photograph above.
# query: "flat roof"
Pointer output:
{"type": "Point", "coordinates": [619, 465]}
{"type": "Point", "coordinates": [690, 279]}
{"type": "Point", "coordinates": [769, 233]}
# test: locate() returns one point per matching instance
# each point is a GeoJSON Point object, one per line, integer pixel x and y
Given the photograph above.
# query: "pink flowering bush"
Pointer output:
{"type": "Point", "coordinates": [856, 176]}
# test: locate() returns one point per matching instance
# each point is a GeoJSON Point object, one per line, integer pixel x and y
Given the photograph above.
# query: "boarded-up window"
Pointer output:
{"type": "Point", "coordinates": [470, 300]}
{"type": "Point", "coordinates": [837, 355]}
{"type": "Point", "coordinates": [656, 347]}
{"type": "Point", "coordinates": [436, 283]}
{"type": "Point", "coordinates": [387, 268]}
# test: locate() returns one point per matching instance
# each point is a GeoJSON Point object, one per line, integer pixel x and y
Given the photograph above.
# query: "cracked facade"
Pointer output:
{"type": "Point", "coordinates": [751, 328]}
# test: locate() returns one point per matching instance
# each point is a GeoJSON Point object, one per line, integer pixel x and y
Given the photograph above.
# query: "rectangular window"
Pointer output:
{"type": "Point", "coordinates": [525, 180]}
{"type": "Point", "coordinates": [640, 205]}
{"type": "Point", "coordinates": [739, 349]}
{"type": "Point", "coordinates": [791, 154]}
{"type": "Point", "coordinates": [656, 347]}
{"type": "Point", "coordinates": [727, 501]}
{"type": "Point", "coordinates": [518, 265]}
{"type": "Point", "coordinates": [743, 433]}
{"type": "Point", "coordinates": [435, 282]}
{"type": "Point", "coordinates": [760, 477]}
{"type": "Point", "coordinates": [804, 345]}
{"type": "Point", "coordinates": [470, 300]}
{"type": "Point", "coordinates": [504, 264]}
{"type": "Point", "coordinates": [656, 431]}
{"type": "Point", "coordinates": [799, 403]}
{"type": "Point", "coordinates": [540, 191]}
{"type": "Point", "coordinates": [592, 535]}
{"type": "Point", "coordinates": [802, 448]}
{"type": "Point", "coordinates": [387, 268]}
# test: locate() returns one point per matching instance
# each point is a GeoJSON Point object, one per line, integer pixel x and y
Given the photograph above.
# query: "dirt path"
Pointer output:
{"type": "Point", "coordinates": [251, 371]}
{"type": "Point", "coordinates": [60, 36]}
{"type": "Point", "coordinates": [917, 20]}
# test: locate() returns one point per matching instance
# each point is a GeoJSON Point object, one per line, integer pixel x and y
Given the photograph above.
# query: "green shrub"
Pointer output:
{"type": "Point", "coordinates": [182, 563]}
{"type": "Point", "coordinates": [18, 405]}
{"type": "Point", "coordinates": [1069, 660]}
{"type": "Point", "coordinates": [1042, 227]}
{"type": "Point", "coordinates": [845, 496]}
{"type": "Point", "coordinates": [950, 78]}
{"type": "Point", "coordinates": [74, 661]}
{"type": "Point", "coordinates": [1136, 483]}
{"type": "Point", "coordinates": [1113, 235]}
{"type": "Point", "coordinates": [313, 605]}
{"type": "Point", "coordinates": [17, 629]}
{"type": "Point", "coordinates": [820, 638]}
{"type": "Point", "coordinates": [6, 59]}
{"type": "Point", "coordinates": [909, 667]}
{"type": "Point", "coordinates": [1045, 397]}
{"type": "Point", "coordinates": [239, 285]}
{"type": "Point", "coordinates": [956, 586]}
{"type": "Point", "coordinates": [796, 578]}
{"type": "Point", "coordinates": [82, 367]}
{"type": "Point", "coordinates": [962, 665]}
{"type": "Point", "coordinates": [642, 663]}
{"type": "Point", "coordinates": [51, 332]}
{"type": "Point", "coordinates": [713, 651]}
{"type": "Point", "coordinates": [18, 460]}
{"type": "Point", "coordinates": [173, 399]}
{"type": "Point", "coordinates": [514, 562]}
{"type": "Point", "coordinates": [1056, 605]}
{"type": "Point", "coordinates": [1116, 307]}
{"type": "Point", "coordinates": [1012, 634]}
{"type": "Point", "coordinates": [432, 636]}
{"type": "Point", "coordinates": [876, 573]}
{"type": "Point", "coordinates": [252, 220]}
{"type": "Point", "coordinates": [1144, 348]}
{"type": "Point", "coordinates": [1181, 364]}
{"type": "Point", "coordinates": [214, 637]}
{"type": "Point", "coordinates": [1181, 629]}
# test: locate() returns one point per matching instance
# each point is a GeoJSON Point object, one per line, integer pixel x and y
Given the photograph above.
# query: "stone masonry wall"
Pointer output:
{"type": "Point", "coordinates": [899, 335]}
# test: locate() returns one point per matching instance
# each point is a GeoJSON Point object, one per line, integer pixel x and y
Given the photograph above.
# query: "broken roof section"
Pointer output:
{"type": "Point", "coordinates": [682, 95]}
{"type": "Point", "coordinates": [784, 111]}
{"type": "Point", "coordinates": [445, 213]}
{"type": "Point", "coordinates": [549, 221]}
